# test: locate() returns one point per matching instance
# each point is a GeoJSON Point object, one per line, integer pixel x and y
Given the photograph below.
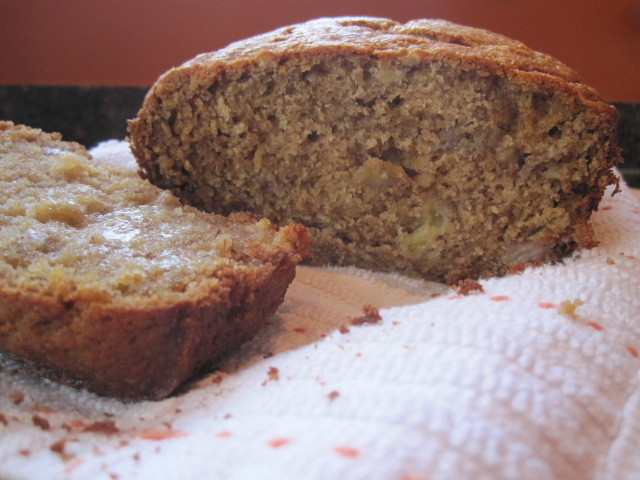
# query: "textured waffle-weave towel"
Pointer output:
{"type": "Point", "coordinates": [536, 377]}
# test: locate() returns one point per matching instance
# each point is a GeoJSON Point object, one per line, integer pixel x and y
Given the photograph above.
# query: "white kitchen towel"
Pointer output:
{"type": "Point", "coordinates": [536, 377]}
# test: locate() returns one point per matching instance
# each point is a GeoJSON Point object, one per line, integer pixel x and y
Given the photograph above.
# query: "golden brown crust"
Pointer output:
{"type": "Point", "coordinates": [138, 354]}
{"type": "Point", "coordinates": [131, 345]}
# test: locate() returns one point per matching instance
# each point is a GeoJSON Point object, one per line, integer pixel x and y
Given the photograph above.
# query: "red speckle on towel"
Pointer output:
{"type": "Point", "coordinates": [333, 395]}
{"type": "Point", "coordinates": [346, 451]}
{"type": "Point", "coordinates": [16, 397]}
{"type": "Point", "coordinates": [224, 434]}
{"type": "Point", "coordinates": [44, 410]}
{"type": "Point", "coordinates": [161, 434]}
{"type": "Point", "coordinates": [24, 452]}
{"type": "Point", "coordinates": [371, 315]}
{"type": "Point", "coordinates": [500, 298]}
{"type": "Point", "coordinates": [454, 297]}
{"type": "Point", "coordinates": [632, 351]}
{"type": "Point", "coordinates": [546, 305]}
{"type": "Point", "coordinates": [596, 325]}
{"type": "Point", "coordinates": [278, 442]}
{"type": "Point", "coordinates": [58, 447]}
{"type": "Point", "coordinates": [41, 422]}
{"type": "Point", "coordinates": [73, 465]}
{"type": "Point", "coordinates": [107, 427]}
{"type": "Point", "coordinates": [73, 424]}
{"type": "Point", "coordinates": [467, 286]}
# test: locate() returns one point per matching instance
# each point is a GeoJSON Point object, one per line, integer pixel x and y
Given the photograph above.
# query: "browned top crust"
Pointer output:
{"type": "Point", "coordinates": [416, 40]}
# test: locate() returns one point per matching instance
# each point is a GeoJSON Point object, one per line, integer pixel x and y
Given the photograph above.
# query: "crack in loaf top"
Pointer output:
{"type": "Point", "coordinates": [414, 41]}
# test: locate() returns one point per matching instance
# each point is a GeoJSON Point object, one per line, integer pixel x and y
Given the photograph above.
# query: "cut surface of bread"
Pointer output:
{"type": "Point", "coordinates": [109, 283]}
{"type": "Point", "coordinates": [426, 148]}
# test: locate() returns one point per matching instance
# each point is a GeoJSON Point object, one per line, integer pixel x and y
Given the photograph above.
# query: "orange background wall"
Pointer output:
{"type": "Point", "coordinates": [131, 42]}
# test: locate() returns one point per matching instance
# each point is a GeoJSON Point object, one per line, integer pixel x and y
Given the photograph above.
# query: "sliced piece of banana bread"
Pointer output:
{"type": "Point", "coordinates": [425, 148]}
{"type": "Point", "coordinates": [109, 283]}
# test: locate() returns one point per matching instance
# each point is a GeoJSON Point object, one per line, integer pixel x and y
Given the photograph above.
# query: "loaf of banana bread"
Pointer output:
{"type": "Point", "coordinates": [426, 148]}
{"type": "Point", "coordinates": [108, 282]}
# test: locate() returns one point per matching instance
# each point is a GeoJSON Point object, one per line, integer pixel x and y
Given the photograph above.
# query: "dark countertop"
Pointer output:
{"type": "Point", "coordinates": [89, 115]}
{"type": "Point", "coordinates": [86, 115]}
{"type": "Point", "coordinates": [629, 141]}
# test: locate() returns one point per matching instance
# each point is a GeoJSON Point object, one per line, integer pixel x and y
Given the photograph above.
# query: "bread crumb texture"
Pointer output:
{"type": "Point", "coordinates": [427, 148]}
{"type": "Point", "coordinates": [109, 280]}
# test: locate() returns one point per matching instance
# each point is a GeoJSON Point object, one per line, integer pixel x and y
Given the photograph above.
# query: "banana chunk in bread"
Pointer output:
{"type": "Point", "coordinates": [110, 283]}
{"type": "Point", "coordinates": [425, 148]}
